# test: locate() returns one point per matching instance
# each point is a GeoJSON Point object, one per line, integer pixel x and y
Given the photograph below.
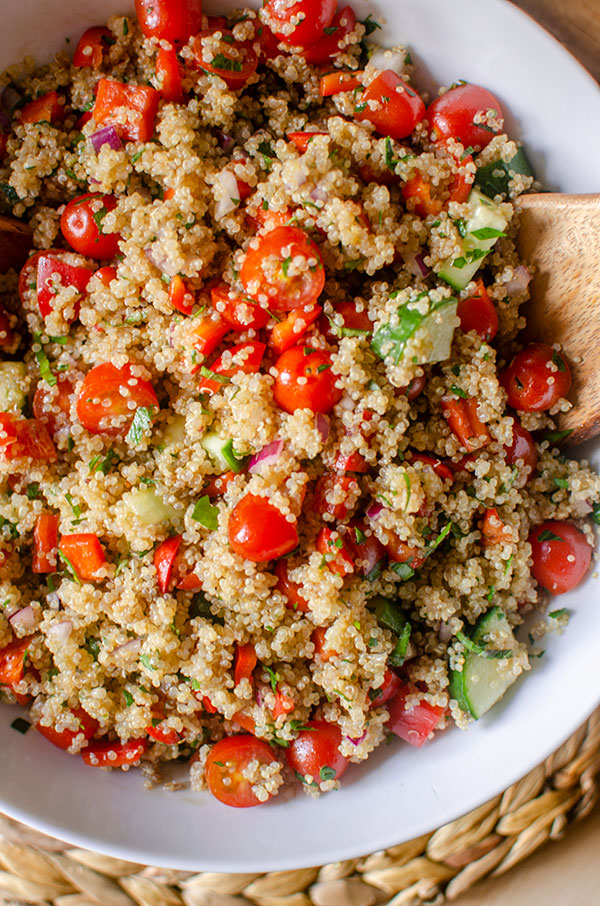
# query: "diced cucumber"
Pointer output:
{"type": "Point", "coordinates": [434, 328]}
{"type": "Point", "coordinates": [174, 432]}
{"type": "Point", "coordinates": [484, 225]}
{"type": "Point", "coordinates": [14, 385]}
{"type": "Point", "coordinates": [148, 506]}
{"type": "Point", "coordinates": [222, 453]}
{"type": "Point", "coordinates": [493, 179]}
{"type": "Point", "coordinates": [484, 677]}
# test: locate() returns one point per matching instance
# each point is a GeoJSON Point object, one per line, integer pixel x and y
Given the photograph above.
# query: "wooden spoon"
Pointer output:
{"type": "Point", "coordinates": [560, 235]}
{"type": "Point", "coordinates": [15, 243]}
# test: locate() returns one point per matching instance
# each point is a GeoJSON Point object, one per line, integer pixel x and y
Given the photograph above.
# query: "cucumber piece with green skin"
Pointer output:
{"type": "Point", "coordinates": [493, 179]}
{"type": "Point", "coordinates": [484, 678]}
{"type": "Point", "coordinates": [434, 330]}
{"type": "Point", "coordinates": [222, 453]}
{"type": "Point", "coordinates": [484, 225]}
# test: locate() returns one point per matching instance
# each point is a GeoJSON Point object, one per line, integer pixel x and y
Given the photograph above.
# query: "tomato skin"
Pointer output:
{"type": "Point", "coordinates": [52, 405]}
{"type": "Point", "coordinates": [317, 15]}
{"type": "Point", "coordinates": [326, 47]}
{"type": "Point", "coordinates": [258, 531]}
{"type": "Point", "coordinates": [264, 272]}
{"type": "Point", "coordinates": [400, 552]}
{"type": "Point", "coordinates": [106, 275]}
{"type": "Point", "coordinates": [49, 108]}
{"type": "Point", "coordinates": [452, 115]}
{"type": "Point", "coordinates": [205, 335]}
{"type": "Point", "coordinates": [438, 465]}
{"type": "Point", "coordinates": [45, 543]}
{"type": "Point", "coordinates": [397, 112]}
{"type": "Point", "coordinates": [337, 554]}
{"type": "Point", "coordinates": [353, 462]}
{"type": "Point", "coordinates": [415, 724]}
{"type": "Point", "coordinates": [318, 639]}
{"type": "Point", "coordinates": [217, 486]}
{"type": "Point", "coordinates": [179, 297]}
{"type": "Point", "coordinates": [225, 763]}
{"type": "Point", "coordinates": [318, 393]}
{"type": "Point", "coordinates": [493, 530]}
{"type": "Point", "coordinates": [244, 662]}
{"type": "Point", "coordinates": [242, 55]}
{"type": "Point", "coordinates": [248, 358]}
{"type": "Point", "coordinates": [167, 735]}
{"type": "Point", "coordinates": [25, 438]}
{"type": "Point", "coordinates": [526, 380]}
{"type": "Point", "coordinates": [478, 313]}
{"type": "Point", "coordinates": [91, 47]}
{"type": "Point", "coordinates": [171, 20]}
{"type": "Point", "coordinates": [302, 139]}
{"type": "Point", "coordinates": [12, 662]}
{"type": "Point", "coordinates": [522, 448]}
{"type": "Point", "coordinates": [240, 313]}
{"type": "Point", "coordinates": [355, 322]}
{"type": "Point", "coordinates": [64, 739]}
{"type": "Point", "coordinates": [463, 419]}
{"type": "Point", "coordinates": [169, 75]}
{"type": "Point", "coordinates": [113, 754]}
{"type": "Point", "coordinates": [164, 560]}
{"type": "Point", "coordinates": [284, 704]}
{"type": "Point", "coordinates": [417, 191]}
{"type": "Point", "coordinates": [331, 485]}
{"type": "Point", "coordinates": [81, 231]}
{"type": "Point", "coordinates": [85, 553]}
{"type": "Point", "coordinates": [336, 82]}
{"type": "Point", "coordinates": [142, 99]}
{"type": "Point", "coordinates": [100, 401]}
{"type": "Point", "coordinates": [385, 693]}
{"type": "Point", "coordinates": [367, 551]}
{"type": "Point", "coordinates": [286, 333]}
{"type": "Point", "coordinates": [315, 749]}
{"type": "Point", "coordinates": [48, 268]}
{"type": "Point", "coordinates": [551, 566]}
{"type": "Point", "coordinates": [291, 590]}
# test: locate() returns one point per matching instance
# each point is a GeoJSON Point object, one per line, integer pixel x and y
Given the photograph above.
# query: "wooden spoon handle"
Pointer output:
{"type": "Point", "coordinates": [15, 243]}
{"type": "Point", "coordinates": [560, 235]}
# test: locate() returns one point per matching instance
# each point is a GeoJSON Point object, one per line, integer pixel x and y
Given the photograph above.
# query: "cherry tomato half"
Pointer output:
{"type": "Point", "coordinates": [561, 556]}
{"type": "Point", "coordinates": [388, 689]}
{"type": "Point", "coordinates": [413, 725]}
{"type": "Point", "coordinates": [469, 113]}
{"type": "Point", "coordinates": [315, 752]}
{"type": "Point", "coordinates": [92, 46]}
{"type": "Point", "coordinates": [103, 403]}
{"type": "Point", "coordinates": [234, 61]}
{"type": "Point", "coordinates": [81, 225]}
{"type": "Point", "coordinates": [291, 590]}
{"type": "Point", "coordinates": [305, 381]}
{"type": "Point", "coordinates": [299, 24]}
{"type": "Point", "coordinates": [241, 313]}
{"type": "Point", "coordinates": [477, 312]}
{"type": "Point", "coordinates": [336, 495]}
{"type": "Point", "coordinates": [164, 560]}
{"type": "Point", "coordinates": [171, 20]}
{"type": "Point", "coordinates": [225, 766]}
{"type": "Point", "coordinates": [536, 379]}
{"type": "Point", "coordinates": [258, 531]}
{"type": "Point", "coordinates": [52, 404]}
{"type": "Point", "coordinates": [12, 662]}
{"type": "Point", "coordinates": [332, 41]}
{"type": "Point", "coordinates": [522, 449]}
{"type": "Point", "coordinates": [463, 418]}
{"type": "Point", "coordinates": [284, 269]}
{"type": "Point", "coordinates": [108, 753]}
{"type": "Point", "coordinates": [391, 104]}
{"type": "Point", "coordinates": [63, 739]}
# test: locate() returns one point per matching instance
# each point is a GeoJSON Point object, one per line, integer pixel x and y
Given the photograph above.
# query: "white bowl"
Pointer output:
{"type": "Point", "coordinates": [401, 792]}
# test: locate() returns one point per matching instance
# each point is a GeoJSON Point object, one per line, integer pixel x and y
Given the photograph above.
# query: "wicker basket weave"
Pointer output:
{"type": "Point", "coordinates": [35, 869]}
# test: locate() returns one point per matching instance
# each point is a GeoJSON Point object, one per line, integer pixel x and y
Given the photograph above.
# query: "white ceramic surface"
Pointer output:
{"type": "Point", "coordinates": [401, 792]}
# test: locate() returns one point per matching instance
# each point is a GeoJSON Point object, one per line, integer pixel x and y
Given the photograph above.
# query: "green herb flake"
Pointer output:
{"type": "Point", "coordinates": [554, 437]}
{"type": "Point", "coordinates": [561, 482]}
{"type": "Point", "coordinates": [206, 514]}
{"type": "Point", "coordinates": [141, 424]}
{"type": "Point", "coordinates": [327, 773]}
{"type": "Point", "coordinates": [274, 677]}
{"type": "Point", "coordinates": [33, 490]}
{"type": "Point", "coordinates": [558, 360]}
{"type": "Point", "coordinates": [128, 698]}
{"type": "Point", "coordinates": [227, 64]}
{"type": "Point", "coordinates": [20, 725]}
{"type": "Point", "coordinates": [487, 233]}
{"type": "Point", "coordinates": [370, 24]}
{"type": "Point", "coordinates": [70, 568]}
{"type": "Point", "coordinates": [482, 651]}
{"type": "Point", "coordinates": [359, 536]}
{"type": "Point", "coordinates": [547, 535]}
{"type": "Point", "coordinates": [145, 660]}
{"type": "Point", "coordinates": [285, 265]}
{"type": "Point", "coordinates": [556, 614]}
{"type": "Point", "coordinates": [44, 363]}
{"type": "Point", "coordinates": [213, 376]}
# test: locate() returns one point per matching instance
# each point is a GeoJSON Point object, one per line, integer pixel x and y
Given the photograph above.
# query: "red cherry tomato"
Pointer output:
{"type": "Point", "coordinates": [84, 553]}
{"type": "Point", "coordinates": [160, 731]}
{"type": "Point", "coordinates": [164, 560]}
{"type": "Point", "coordinates": [81, 225]}
{"type": "Point", "coordinates": [336, 82]}
{"type": "Point", "coordinates": [315, 752]}
{"type": "Point", "coordinates": [288, 332]}
{"type": "Point", "coordinates": [463, 113]}
{"type": "Point", "coordinates": [25, 438]}
{"type": "Point", "coordinates": [284, 704]}
{"type": "Point", "coordinates": [179, 296]}
{"type": "Point", "coordinates": [258, 531]}
{"type": "Point", "coordinates": [478, 313]}
{"type": "Point", "coordinates": [12, 662]}
{"type": "Point", "coordinates": [48, 108]}
{"type": "Point", "coordinates": [217, 486]}
{"type": "Point", "coordinates": [52, 404]}
{"type": "Point", "coordinates": [417, 193]}
{"type": "Point", "coordinates": [561, 556]}
{"type": "Point", "coordinates": [335, 550]}
{"type": "Point", "coordinates": [319, 640]}
{"type": "Point", "coordinates": [108, 753]}
{"type": "Point", "coordinates": [171, 20]}
{"type": "Point", "coordinates": [92, 46]}
{"type": "Point", "coordinates": [305, 381]}
{"type": "Point", "coordinates": [244, 358]}
{"type": "Point", "coordinates": [142, 102]}
{"type": "Point", "coordinates": [438, 465]}
{"type": "Point", "coordinates": [103, 401]}
{"type": "Point", "coordinates": [303, 139]}
{"type": "Point", "coordinates": [331, 495]}
{"type": "Point", "coordinates": [106, 275]}
{"type": "Point", "coordinates": [64, 739]}
{"type": "Point", "coordinates": [45, 544]}
{"type": "Point", "coordinates": [244, 662]}
{"type": "Point", "coordinates": [385, 693]}
{"type": "Point", "coordinates": [299, 24]}
{"type": "Point", "coordinates": [239, 312]}
{"type": "Point", "coordinates": [463, 419]}
{"type": "Point", "coordinates": [234, 61]}
{"type": "Point", "coordinates": [400, 552]}
{"type": "Point", "coordinates": [52, 272]}
{"type": "Point", "coordinates": [367, 552]}
{"type": "Point", "coordinates": [332, 42]}
{"type": "Point", "coordinates": [225, 765]}
{"type": "Point", "coordinates": [352, 462]}
{"type": "Point", "coordinates": [283, 269]}
{"type": "Point", "coordinates": [391, 104]}
{"type": "Point", "coordinates": [415, 724]}
{"type": "Point", "coordinates": [168, 72]}
{"type": "Point", "coordinates": [522, 450]}
{"type": "Point", "coordinates": [355, 323]}
{"type": "Point", "coordinates": [536, 379]}
{"type": "Point", "coordinates": [204, 335]}
{"type": "Point", "coordinates": [291, 590]}
{"type": "Point", "coordinates": [493, 530]}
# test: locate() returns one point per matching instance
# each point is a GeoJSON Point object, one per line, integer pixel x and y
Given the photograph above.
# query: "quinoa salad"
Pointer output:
{"type": "Point", "coordinates": [279, 481]}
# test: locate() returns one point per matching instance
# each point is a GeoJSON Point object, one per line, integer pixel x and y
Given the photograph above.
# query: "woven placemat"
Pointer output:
{"type": "Point", "coordinates": [35, 869]}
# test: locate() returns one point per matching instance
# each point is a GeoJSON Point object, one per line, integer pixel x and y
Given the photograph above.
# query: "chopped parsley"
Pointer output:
{"type": "Point", "coordinates": [206, 514]}
{"type": "Point", "coordinates": [274, 677]}
{"type": "Point", "coordinates": [327, 773]}
{"type": "Point", "coordinates": [141, 424]}
{"type": "Point", "coordinates": [481, 650]}
{"type": "Point", "coordinates": [220, 61]}
{"type": "Point", "coordinates": [21, 725]}
{"type": "Point", "coordinates": [547, 535]}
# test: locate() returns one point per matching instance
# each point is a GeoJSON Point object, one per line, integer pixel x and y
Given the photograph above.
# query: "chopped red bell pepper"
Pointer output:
{"type": "Point", "coordinates": [84, 553]}
{"type": "Point", "coordinates": [244, 662]}
{"type": "Point", "coordinates": [415, 724]}
{"type": "Point", "coordinates": [287, 333]}
{"type": "Point", "coordinates": [12, 662]}
{"type": "Point", "coordinates": [45, 543]}
{"type": "Point", "coordinates": [47, 272]}
{"type": "Point", "coordinates": [140, 100]}
{"type": "Point", "coordinates": [463, 419]}
{"type": "Point", "coordinates": [164, 559]}
{"type": "Point", "coordinates": [64, 739]}
{"type": "Point", "coordinates": [49, 108]}
{"type": "Point", "coordinates": [92, 46]}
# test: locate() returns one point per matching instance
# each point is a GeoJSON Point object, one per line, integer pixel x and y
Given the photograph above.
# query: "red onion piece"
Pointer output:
{"type": "Point", "coordinates": [520, 280]}
{"type": "Point", "coordinates": [374, 510]}
{"type": "Point", "coordinates": [107, 136]}
{"type": "Point", "coordinates": [420, 262]}
{"type": "Point", "coordinates": [225, 142]}
{"type": "Point", "coordinates": [23, 621]}
{"type": "Point", "coordinates": [322, 425]}
{"type": "Point", "coordinates": [319, 194]}
{"type": "Point", "coordinates": [267, 456]}
{"type": "Point", "coordinates": [11, 98]}
{"type": "Point", "coordinates": [444, 633]}
{"type": "Point", "coordinates": [129, 649]}
{"type": "Point", "coordinates": [358, 740]}
{"type": "Point", "coordinates": [58, 633]}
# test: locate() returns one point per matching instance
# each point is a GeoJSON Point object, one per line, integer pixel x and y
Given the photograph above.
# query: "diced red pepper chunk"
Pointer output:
{"type": "Point", "coordinates": [45, 543]}
{"type": "Point", "coordinates": [84, 553]}
{"type": "Point", "coordinates": [141, 102]}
